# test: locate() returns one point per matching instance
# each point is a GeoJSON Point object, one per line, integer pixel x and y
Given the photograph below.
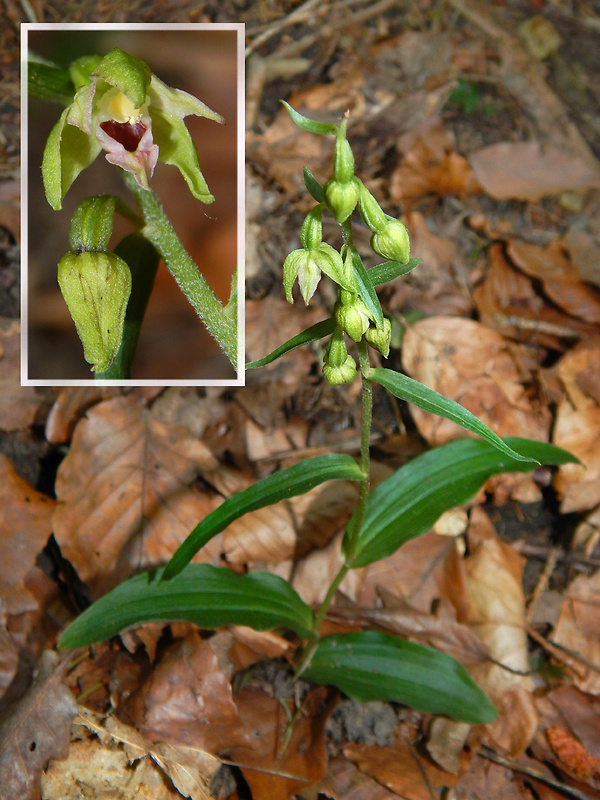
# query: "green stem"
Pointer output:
{"type": "Point", "coordinates": [159, 231]}
{"type": "Point", "coordinates": [305, 655]}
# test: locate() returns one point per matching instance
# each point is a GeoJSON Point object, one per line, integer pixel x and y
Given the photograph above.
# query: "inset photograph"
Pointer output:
{"type": "Point", "coordinates": [133, 204]}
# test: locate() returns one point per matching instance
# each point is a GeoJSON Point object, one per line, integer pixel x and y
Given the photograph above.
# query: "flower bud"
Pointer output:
{"type": "Point", "coordinates": [352, 315]}
{"type": "Point", "coordinates": [96, 288]}
{"type": "Point", "coordinates": [311, 234]}
{"type": "Point", "coordinates": [341, 198]}
{"type": "Point", "coordinates": [380, 339]}
{"type": "Point", "coordinates": [336, 376]}
{"type": "Point", "coordinates": [392, 241]}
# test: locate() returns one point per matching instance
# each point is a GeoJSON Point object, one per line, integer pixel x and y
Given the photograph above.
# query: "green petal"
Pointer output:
{"type": "Point", "coordinates": [68, 151]}
{"type": "Point", "coordinates": [175, 147]}
{"type": "Point", "coordinates": [179, 103]}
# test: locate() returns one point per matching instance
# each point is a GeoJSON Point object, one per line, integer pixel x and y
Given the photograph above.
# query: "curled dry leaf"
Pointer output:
{"type": "Point", "coordinates": [577, 427]}
{"type": "Point", "coordinates": [36, 729]}
{"type": "Point", "coordinates": [124, 496]}
{"type": "Point", "coordinates": [527, 171]}
{"type": "Point", "coordinates": [25, 526]}
{"type": "Point", "coordinates": [473, 365]}
{"type": "Point", "coordinates": [577, 629]}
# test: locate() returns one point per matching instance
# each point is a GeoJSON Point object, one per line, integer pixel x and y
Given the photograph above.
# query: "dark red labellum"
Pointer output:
{"type": "Point", "coordinates": [126, 133]}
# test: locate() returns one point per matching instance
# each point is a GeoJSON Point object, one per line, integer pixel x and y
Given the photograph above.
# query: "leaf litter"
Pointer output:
{"type": "Point", "coordinates": [502, 205]}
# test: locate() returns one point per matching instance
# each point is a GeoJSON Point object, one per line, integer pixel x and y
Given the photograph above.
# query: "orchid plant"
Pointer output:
{"type": "Point", "coordinates": [364, 664]}
{"type": "Point", "coordinates": [114, 103]}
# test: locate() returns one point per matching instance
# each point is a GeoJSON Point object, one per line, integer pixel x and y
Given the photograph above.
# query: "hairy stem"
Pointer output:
{"type": "Point", "coordinates": [159, 231]}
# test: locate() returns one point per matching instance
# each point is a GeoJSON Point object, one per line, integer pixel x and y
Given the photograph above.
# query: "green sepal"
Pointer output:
{"type": "Point", "coordinates": [81, 68]}
{"type": "Point", "coordinates": [92, 224]}
{"type": "Point", "coordinates": [208, 596]}
{"type": "Point", "coordinates": [126, 73]}
{"type": "Point", "coordinates": [369, 665]}
{"type": "Point", "coordinates": [310, 125]}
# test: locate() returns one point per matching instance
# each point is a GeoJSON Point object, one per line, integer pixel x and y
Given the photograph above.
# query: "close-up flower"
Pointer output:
{"type": "Point", "coordinates": [307, 264]}
{"type": "Point", "coordinates": [121, 107]}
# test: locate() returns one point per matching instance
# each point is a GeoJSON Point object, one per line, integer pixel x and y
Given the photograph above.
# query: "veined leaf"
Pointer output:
{"type": "Point", "coordinates": [369, 665]}
{"type": "Point", "coordinates": [367, 290]}
{"type": "Point", "coordinates": [205, 595]}
{"type": "Point", "coordinates": [390, 270]}
{"type": "Point", "coordinates": [409, 502]}
{"type": "Point", "coordinates": [310, 125]}
{"type": "Point", "coordinates": [290, 482]}
{"type": "Point", "coordinates": [422, 396]}
{"type": "Point", "coordinates": [312, 334]}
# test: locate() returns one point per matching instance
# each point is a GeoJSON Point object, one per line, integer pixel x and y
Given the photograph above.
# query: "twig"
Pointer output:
{"type": "Point", "coordinates": [542, 583]}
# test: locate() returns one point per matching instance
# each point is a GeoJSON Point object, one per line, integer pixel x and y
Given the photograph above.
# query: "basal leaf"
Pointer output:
{"type": "Point", "coordinates": [408, 503]}
{"type": "Point", "coordinates": [205, 595]}
{"type": "Point", "coordinates": [429, 400]}
{"type": "Point", "coordinates": [369, 665]}
{"type": "Point", "coordinates": [290, 482]}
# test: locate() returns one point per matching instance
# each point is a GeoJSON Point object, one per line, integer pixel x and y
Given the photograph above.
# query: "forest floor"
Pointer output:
{"type": "Point", "coordinates": [477, 124]}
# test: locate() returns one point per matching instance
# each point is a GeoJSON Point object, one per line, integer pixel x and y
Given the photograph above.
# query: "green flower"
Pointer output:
{"type": "Point", "coordinates": [122, 108]}
{"type": "Point", "coordinates": [307, 264]}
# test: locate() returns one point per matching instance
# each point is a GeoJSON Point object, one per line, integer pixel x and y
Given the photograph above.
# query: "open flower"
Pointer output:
{"type": "Point", "coordinates": [122, 108]}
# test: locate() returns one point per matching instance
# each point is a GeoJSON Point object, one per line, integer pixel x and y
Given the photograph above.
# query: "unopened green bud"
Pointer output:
{"type": "Point", "coordinates": [352, 315]}
{"type": "Point", "coordinates": [311, 234]}
{"type": "Point", "coordinates": [392, 241]}
{"type": "Point", "coordinates": [341, 198]}
{"type": "Point", "coordinates": [343, 160]}
{"type": "Point", "coordinates": [370, 210]}
{"type": "Point", "coordinates": [380, 338]}
{"type": "Point", "coordinates": [92, 223]}
{"type": "Point", "coordinates": [336, 376]}
{"type": "Point", "coordinates": [96, 288]}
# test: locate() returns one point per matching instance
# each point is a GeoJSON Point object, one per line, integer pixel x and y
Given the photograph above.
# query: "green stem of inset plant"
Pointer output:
{"type": "Point", "coordinates": [159, 231]}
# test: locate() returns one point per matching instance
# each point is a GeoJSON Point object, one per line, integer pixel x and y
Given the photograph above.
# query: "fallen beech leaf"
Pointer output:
{"type": "Point", "coordinates": [400, 769]}
{"type": "Point", "coordinates": [70, 404]}
{"type": "Point", "coordinates": [19, 405]}
{"type": "Point", "coordinates": [10, 208]}
{"type": "Point", "coordinates": [37, 728]}
{"type": "Point", "coordinates": [577, 427]}
{"type": "Point", "coordinates": [497, 616]}
{"type": "Point", "coordinates": [577, 628]}
{"type": "Point", "coordinates": [469, 363]}
{"type": "Point", "coordinates": [124, 501]}
{"type": "Point", "coordinates": [25, 526]}
{"type": "Point", "coordinates": [187, 699]}
{"type": "Point", "coordinates": [344, 781]}
{"type": "Point", "coordinates": [526, 171]}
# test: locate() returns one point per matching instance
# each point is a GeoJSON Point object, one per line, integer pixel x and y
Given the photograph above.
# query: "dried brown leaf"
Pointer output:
{"type": "Point", "coordinates": [36, 729]}
{"type": "Point", "coordinates": [19, 405]}
{"type": "Point", "coordinates": [124, 496]}
{"type": "Point", "coordinates": [526, 171]}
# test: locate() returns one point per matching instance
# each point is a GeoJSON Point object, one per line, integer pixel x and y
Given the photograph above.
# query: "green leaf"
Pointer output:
{"type": "Point", "coordinates": [313, 186]}
{"type": "Point", "coordinates": [366, 290]}
{"type": "Point", "coordinates": [205, 595]}
{"type": "Point", "coordinates": [422, 396]}
{"type": "Point", "coordinates": [369, 665]}
{"type": "Point", "coordinates": [409, 502]}
{"type": "Point", "coordinates": [290, 482]}
{"type": "Point", "coordinates": [390, 270]}
{"type": "Point", "coordinates": [310, 125]}
{"type": "Point", "coordinates": [324, 328]}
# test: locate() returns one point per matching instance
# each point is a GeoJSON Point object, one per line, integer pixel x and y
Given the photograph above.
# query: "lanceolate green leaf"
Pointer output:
{"type": "Point", "coordinates": [390, 270]}
{"type": "Point", "coordinates": [310, 125]}
{"type": "Point", "coordinates": [376, 666]}
{"type": "Point", "coordinates": [207, 596]}
{"type": "Point", "coordinates": [312, 334]}
{"type": "Point", "coordinates": [367, 290]}
{"type": "Point", "coordinates": [422, 396]}
{"type": "Point", "coordinates": [289, 482]}
{"type": "Point", "coordinates": [409, 502]}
